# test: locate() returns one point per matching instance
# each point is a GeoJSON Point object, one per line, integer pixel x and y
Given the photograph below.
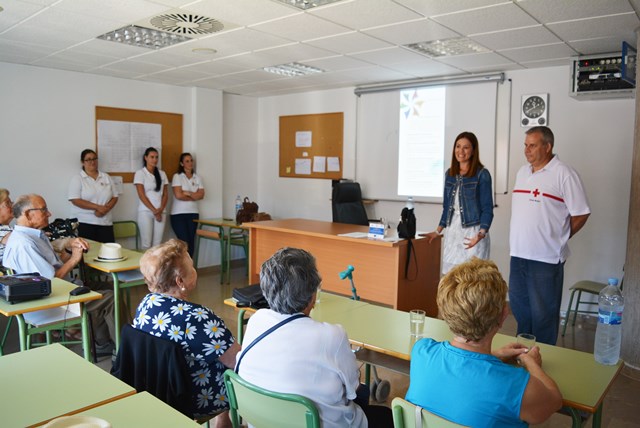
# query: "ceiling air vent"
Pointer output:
{"type": "Point", "coordinates": [186, 23]}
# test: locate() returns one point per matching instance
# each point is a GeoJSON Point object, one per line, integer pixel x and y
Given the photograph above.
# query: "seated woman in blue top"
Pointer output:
{"type": "Point", "coordinates": [467, 208]}
{"type": "Point", "coordinates": [463, 380]}
{"type": "Point", "coordinates": [208, 345]}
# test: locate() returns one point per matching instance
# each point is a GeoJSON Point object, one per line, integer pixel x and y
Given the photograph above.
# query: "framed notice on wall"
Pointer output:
{"type": "Point", "coordinates": [311, 145]}
{"type": "Point", "coordinates": [122, 136]}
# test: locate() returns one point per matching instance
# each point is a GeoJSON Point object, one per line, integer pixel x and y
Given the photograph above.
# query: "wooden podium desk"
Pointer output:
{"type": "Point", "coordinates": [379, 265]}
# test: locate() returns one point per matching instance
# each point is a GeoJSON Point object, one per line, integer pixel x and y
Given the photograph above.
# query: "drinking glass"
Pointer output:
{"type": "Point", "coordinates": [416, 325]}
{"type": "Point", "coordinates": [526, 339]}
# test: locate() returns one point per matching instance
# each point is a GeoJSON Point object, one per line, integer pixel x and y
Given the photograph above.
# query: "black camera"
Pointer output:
{"type": "Point", "coordinates": [62, 228]}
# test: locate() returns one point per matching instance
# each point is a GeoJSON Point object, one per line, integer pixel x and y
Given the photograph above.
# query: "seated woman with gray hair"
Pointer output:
{"type": "Point", "coordinates": [303, 356]}
{"type": "Point", "coordinates": [208, 345]}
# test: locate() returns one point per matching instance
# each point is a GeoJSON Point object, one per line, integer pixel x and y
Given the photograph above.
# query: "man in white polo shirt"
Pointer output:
{"type": "Point", "coordinates": [549, 206]}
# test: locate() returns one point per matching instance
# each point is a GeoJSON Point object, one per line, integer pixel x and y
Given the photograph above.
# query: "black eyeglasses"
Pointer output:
{"type": "Point", "coordinates": [43, 209]}
{"type": "Point", "coordinates": [90, 159]}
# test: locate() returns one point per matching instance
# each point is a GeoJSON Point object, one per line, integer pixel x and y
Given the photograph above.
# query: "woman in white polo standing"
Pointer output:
{"type": "Point", "coordinates": [152, 187]}
{"type": "Point", "coordinates": [93, 195]}
{"type": "Point", "coordinates": [187, 191]}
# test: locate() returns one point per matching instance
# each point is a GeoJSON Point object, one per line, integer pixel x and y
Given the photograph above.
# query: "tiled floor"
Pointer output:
{"type": "Point", "coordinates": [621, 403]}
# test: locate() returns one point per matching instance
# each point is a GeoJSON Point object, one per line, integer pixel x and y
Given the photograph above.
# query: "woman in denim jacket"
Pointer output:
{"type": "Point", "coordinates": [467, 210]}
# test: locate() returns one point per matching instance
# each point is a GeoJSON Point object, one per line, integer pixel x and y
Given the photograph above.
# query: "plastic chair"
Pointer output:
{"type": "Point", "coordinates": [215, 234]}
{"type": "Point", "coordinates": [590, 287]}
{"type": "Point", "coordinates": [267, 409]}
{"type": "Point", "coordinates": [405, 415]}
{"type": "Point", "coordinates": [240, 238]}
{"type": "Point", "coordinates": [127, 229]}
{"type": "Point", "coordinates": [158, 366]}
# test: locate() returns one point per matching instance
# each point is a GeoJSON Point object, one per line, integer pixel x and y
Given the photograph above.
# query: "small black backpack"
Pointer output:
{"type": "Point", "coordinates": [407, 230]}
{"type": "Point", "coordinates": [407, 224]}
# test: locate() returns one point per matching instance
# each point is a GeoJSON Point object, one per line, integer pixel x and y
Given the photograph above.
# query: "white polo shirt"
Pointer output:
{"type": "Point", "coordinates": [98, 191]}
{"type": "Point", "coordinates": [543, 203]}
{"type": "Point", "coordinates": [148, 180]}
{"type": "Point", "coordinates": [187, 184]}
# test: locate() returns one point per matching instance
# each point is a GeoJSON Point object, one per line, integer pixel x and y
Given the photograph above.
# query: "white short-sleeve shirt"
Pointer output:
{"type": "Point", "coordinates": [543, 203]}
{"type": "Point", "coordinates": [305, 357]}
{"type": "Point", "coordinates": [148, 180]}
{"type": "Point", "coordinates": [187, 184]}
{"type": "Point", "coordinates": [98, 191]}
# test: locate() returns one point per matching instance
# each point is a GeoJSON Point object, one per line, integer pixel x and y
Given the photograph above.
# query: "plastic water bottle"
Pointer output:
{"type": "Point", "coordinates": [410, 202]}
{"type": "Point", "coordinates": [609, 330]}
{"type": "Point", "coordinates": [238, 204]}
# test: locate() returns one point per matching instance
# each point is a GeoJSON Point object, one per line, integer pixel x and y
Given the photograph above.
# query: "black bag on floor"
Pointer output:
{"type": "Point", "coordinates": [250, 296]}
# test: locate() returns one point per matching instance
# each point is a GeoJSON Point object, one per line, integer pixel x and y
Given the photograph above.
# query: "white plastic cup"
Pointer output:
{"type": "Point", "coordinates": [416, 322]}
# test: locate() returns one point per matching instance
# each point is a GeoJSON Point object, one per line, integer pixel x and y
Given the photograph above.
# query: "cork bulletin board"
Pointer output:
{"type": "Point", "coordinates": [311, 145]}
{"type": "Point", "coordinates": [122, 135]}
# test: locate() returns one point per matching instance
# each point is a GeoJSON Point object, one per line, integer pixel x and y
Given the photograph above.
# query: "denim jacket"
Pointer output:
{"type": "Point", "coordinates": [476, 203]}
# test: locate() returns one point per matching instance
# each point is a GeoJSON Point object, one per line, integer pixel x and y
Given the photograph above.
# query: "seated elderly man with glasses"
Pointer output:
{"type": "Point", "coordinates": [28, 250]}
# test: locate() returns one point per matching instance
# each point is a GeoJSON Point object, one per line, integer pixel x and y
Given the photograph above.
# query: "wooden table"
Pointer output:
{"type": "Point", "coordinates": [51, 381]}
{"type": "Point", "coordinates": [125, 274]}
{"type": "Point", "coordinates": [140, 410]}
{"type": "Point", "coordinates": [379, 273]}
{"type": "Point", "coordinates": [58, 298]}
{"type": "Point", "coordinates": [384, 334]}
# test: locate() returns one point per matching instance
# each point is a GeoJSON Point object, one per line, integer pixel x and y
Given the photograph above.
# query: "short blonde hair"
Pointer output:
{"type": "Point", "coordinates": [4, 195]}
{"type": "Point", "coordinates": [162, 264]}
{"type": "Point", "coordinates": [471, 298]}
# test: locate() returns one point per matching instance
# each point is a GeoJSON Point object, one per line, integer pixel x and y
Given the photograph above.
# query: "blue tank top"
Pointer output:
{"type": "Point", "coordinates": [467, 388]}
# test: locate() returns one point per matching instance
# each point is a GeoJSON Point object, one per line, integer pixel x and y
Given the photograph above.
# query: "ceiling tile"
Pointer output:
{"type": "Point", "coordinates": [243, 12]}
{"type": "Point", "coordinates": [216, 67]}
{"type": "Point", "coordinates": [547, 11]}
{"type": "Point", "coordinates": [103, 47]}
{"type": "Point", "coordinates": [424, 68]}
{"type": "Point", "coordinates": [539, 53]}
{"type": "Point", "coordinates": [521, 37]}
{"type": "Point", "coordinates": [181, 74]}
{"type": "Point", "coordinates": [16, 11]}
{"type": "Point", "coordinates": [349, 43]}
{"type": "Point", "coordinates": [601, 45]}
{"type": "Point", "coordinates": [337, 63]}
{"type": "Point", "coordinates": [412, 32]}
{"type": "Point", "coordinates": [301, 27]}
{"type": "Point", "coordinates": [550, 63]}
{"type": "Point", "coordinates": [296, 52]}
{"type": "Point", "coordinates": [136, 67]}
{"type": "Point", "coordinates": [121, 11]}
{"type": "Point", "coordinates": [360, 14]}
{"type": "Point", "coordinates": [596, 27]}
{"type": "Point", "coordinates": [388, 56]}
{"type": "Point", "coordinates": [85, 59]}
{"type": "Point", "coordinates": [492, 18]}
{"type": "Point", "coordinates": [439, 7]}
{"type": "Point", "coordinates": [473, 61]}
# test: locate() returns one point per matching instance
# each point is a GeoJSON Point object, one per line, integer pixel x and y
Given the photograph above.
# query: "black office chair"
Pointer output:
{"type": "Point", "coordinates": [346, 204]}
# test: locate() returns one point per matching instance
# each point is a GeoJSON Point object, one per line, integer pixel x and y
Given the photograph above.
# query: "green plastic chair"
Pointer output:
{"type": "Point", "coordinates": [405, 415]}
{"type": "Point", "coordinates": [589, 287]}
{"type": "Point", "coordinates": [127, 229]}
{"type": "Point", "coordinates": [267, 409]}
{"type": "Point", "coordinates": [214, 234]}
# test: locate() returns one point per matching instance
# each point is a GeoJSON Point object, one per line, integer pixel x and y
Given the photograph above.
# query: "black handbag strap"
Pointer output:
{"type": "Point", "coordinates": [265, 334]}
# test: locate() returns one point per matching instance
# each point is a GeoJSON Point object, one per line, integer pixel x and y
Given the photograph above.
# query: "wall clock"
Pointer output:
{"type": "Point", "coordinates": [534, 110]}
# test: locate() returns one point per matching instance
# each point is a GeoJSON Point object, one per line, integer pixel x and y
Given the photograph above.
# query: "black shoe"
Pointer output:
{"type": "Point", "coordinates": [108, 349]}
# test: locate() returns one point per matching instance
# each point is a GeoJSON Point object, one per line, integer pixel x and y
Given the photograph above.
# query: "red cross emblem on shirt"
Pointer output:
{"type": "Point", "coordinates": [536, 193]}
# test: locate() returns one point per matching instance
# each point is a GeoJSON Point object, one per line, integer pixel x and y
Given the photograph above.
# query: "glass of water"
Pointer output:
{"type": "Point", "coordinates": [527, 340]}
{"type": "Point", "coordinates": [416, 325]}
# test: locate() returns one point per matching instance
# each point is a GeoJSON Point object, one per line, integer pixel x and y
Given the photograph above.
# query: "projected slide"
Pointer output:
{"type": "Point", "coordinates": [421, 142]}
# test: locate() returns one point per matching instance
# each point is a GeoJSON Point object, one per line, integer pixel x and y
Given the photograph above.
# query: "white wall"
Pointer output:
{"type": "Point", "coordinates": [47, 118]}
{"type": "Point", "coordinates": [595, 137]}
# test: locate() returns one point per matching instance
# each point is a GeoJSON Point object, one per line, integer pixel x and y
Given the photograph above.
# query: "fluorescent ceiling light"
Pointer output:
{"type": "Point", "coordinates": [143, 37]}
{"type": "Point", "coordinates": [307, 4]}
{"type": "Point", "coordinates": [293, 69]}
{"type": "Point", "coordinates": [447, 47]}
